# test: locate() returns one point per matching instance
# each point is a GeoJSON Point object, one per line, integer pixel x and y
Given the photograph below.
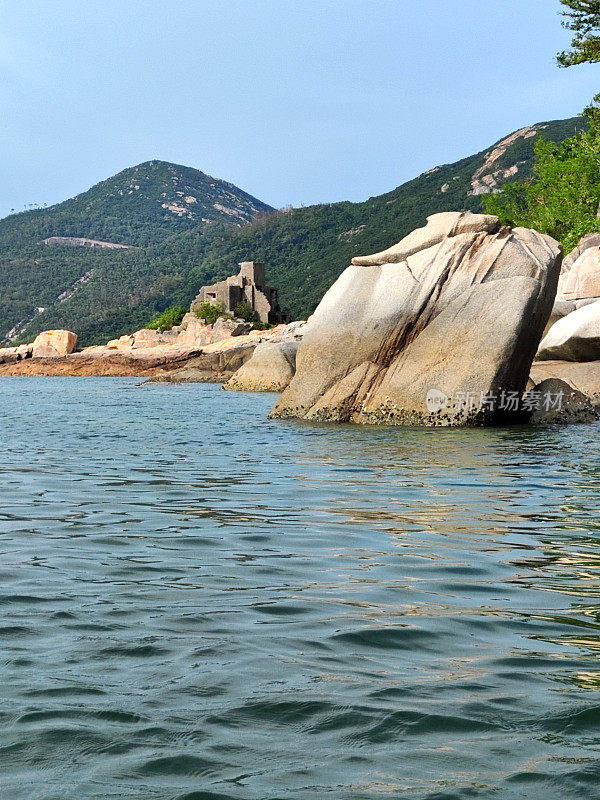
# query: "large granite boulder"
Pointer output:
{"type": "Point", "coordinates": [440, 329]}
{"type": "Point", "coordinates": [292, 332]}
{"type": "Point", "coordinates": [590, 240]}
{"type": "Point", "coordinates": [194, 332]}
{"type": "Point", "coordinates": [147, 337]}
{"type": "Point", "coordinates": [53, 344]}
{"type": "Point", "coordinates": [582, 280]}
{"type": "Point", "coordinates": [579, 282]}
{"type": "Point", "coordinates": [270, 369]}
{"type": "Point", "coordinates": [575, 337]}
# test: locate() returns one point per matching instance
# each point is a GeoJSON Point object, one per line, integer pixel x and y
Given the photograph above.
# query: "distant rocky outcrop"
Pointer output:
{"type": "Point", "coordinates": [47, 345]}
{"type": "Point", "coordinates": [490, 176]}
{"type": "Point", "coordinates": [10, 355]}
{"type": "Point", "coordinates": [81, 241]}
{"type": "Point", "coordinates": [435, 330]}
{"type": "Point", "coordinates": [192, 351]}
{"type": "Point", "coordinates": [53, 344]}
{"type": "Point", "coordinates": [219, 361]}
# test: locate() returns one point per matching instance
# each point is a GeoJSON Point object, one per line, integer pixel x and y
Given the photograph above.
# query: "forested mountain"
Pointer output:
{"type": "Point", "coordinates": [181, 243]}
{"type": "Point", "coordinates": [138, 207]}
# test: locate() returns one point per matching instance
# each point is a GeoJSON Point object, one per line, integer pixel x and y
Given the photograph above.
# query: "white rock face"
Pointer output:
{"type": "Point", "coordinates": [579, 282]}
{"type": "Point", "coordinates": [582, 280]}
{"type": "Point", "coordinates": [587, 241]}
{"type": "Point", "coordinates": [575, 337]}
{"type": "Point", "coordinates": [52, 344]}
{"type": "Point", "coordinates": [458, 307]}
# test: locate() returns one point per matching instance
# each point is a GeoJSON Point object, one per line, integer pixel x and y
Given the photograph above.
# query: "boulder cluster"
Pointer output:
{"type": "Point", "coordinates": [49, 344]}
{"type": "Point", "coordinates": [574, 333]}
{"type": "Point", "coordinates": [442, 328]}
{"type": "Point", "coordinates": [190, 351]}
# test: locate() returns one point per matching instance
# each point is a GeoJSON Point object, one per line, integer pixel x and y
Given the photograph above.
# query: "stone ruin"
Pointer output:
{"type": "Point", "coordinates": [248, 286]}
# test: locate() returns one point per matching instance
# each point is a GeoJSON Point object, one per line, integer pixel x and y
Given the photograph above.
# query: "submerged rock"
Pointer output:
{"type": "Point", "coordinates": [553, 401]}
{"type": "Point", "coordinates": [437, 330]}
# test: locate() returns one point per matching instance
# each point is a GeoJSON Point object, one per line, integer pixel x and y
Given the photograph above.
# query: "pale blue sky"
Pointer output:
{"type": "Point", "coordinates": [296, 101]}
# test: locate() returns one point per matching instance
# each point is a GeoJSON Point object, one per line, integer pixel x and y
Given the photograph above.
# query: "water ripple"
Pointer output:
{"type": "Point", "coordinates": [197, 603]}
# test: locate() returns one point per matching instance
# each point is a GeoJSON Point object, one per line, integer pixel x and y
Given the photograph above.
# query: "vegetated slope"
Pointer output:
{"type": "Point", "coordinates": [305, 249]}
{"type": "Point", "coordinates": [138, 207]}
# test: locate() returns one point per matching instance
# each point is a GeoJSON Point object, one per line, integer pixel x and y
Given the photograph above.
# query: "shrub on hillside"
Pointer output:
{"type": "Point", "coordinates": [168, 319]}
{"type": "Point", "coordinates": [244, 311]}
{"type": "Point", "coordinates": [210, 313]}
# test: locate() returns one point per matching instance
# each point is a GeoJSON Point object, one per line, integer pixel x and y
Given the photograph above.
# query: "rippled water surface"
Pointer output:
{"type": "Point", "coordinates": [199, 603]}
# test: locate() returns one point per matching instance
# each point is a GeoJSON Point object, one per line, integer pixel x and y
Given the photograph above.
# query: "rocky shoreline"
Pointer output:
{"type": "Point", "coordinates": [443, 328]}
{"type": "Point", "coordinates": [192, 351]}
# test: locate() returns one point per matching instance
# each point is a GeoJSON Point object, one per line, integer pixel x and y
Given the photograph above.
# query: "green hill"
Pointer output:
{"type": "Point", "coordinates": [138, 207]}
{"type": "Point", "coordinates": [104, 293]}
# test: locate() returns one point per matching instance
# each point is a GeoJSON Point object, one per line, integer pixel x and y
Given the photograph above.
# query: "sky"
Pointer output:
{"type": "Point", "coordinates": [295, 101]}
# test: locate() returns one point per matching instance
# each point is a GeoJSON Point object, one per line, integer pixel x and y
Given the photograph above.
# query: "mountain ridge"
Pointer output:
{"type": "Point", "coordinates": [109, 292]}
{"type": "Point", "coordinates": [157, 198]}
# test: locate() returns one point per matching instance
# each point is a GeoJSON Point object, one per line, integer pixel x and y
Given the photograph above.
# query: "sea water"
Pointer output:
{"type": "Point", "coordinates": [197, 602]}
